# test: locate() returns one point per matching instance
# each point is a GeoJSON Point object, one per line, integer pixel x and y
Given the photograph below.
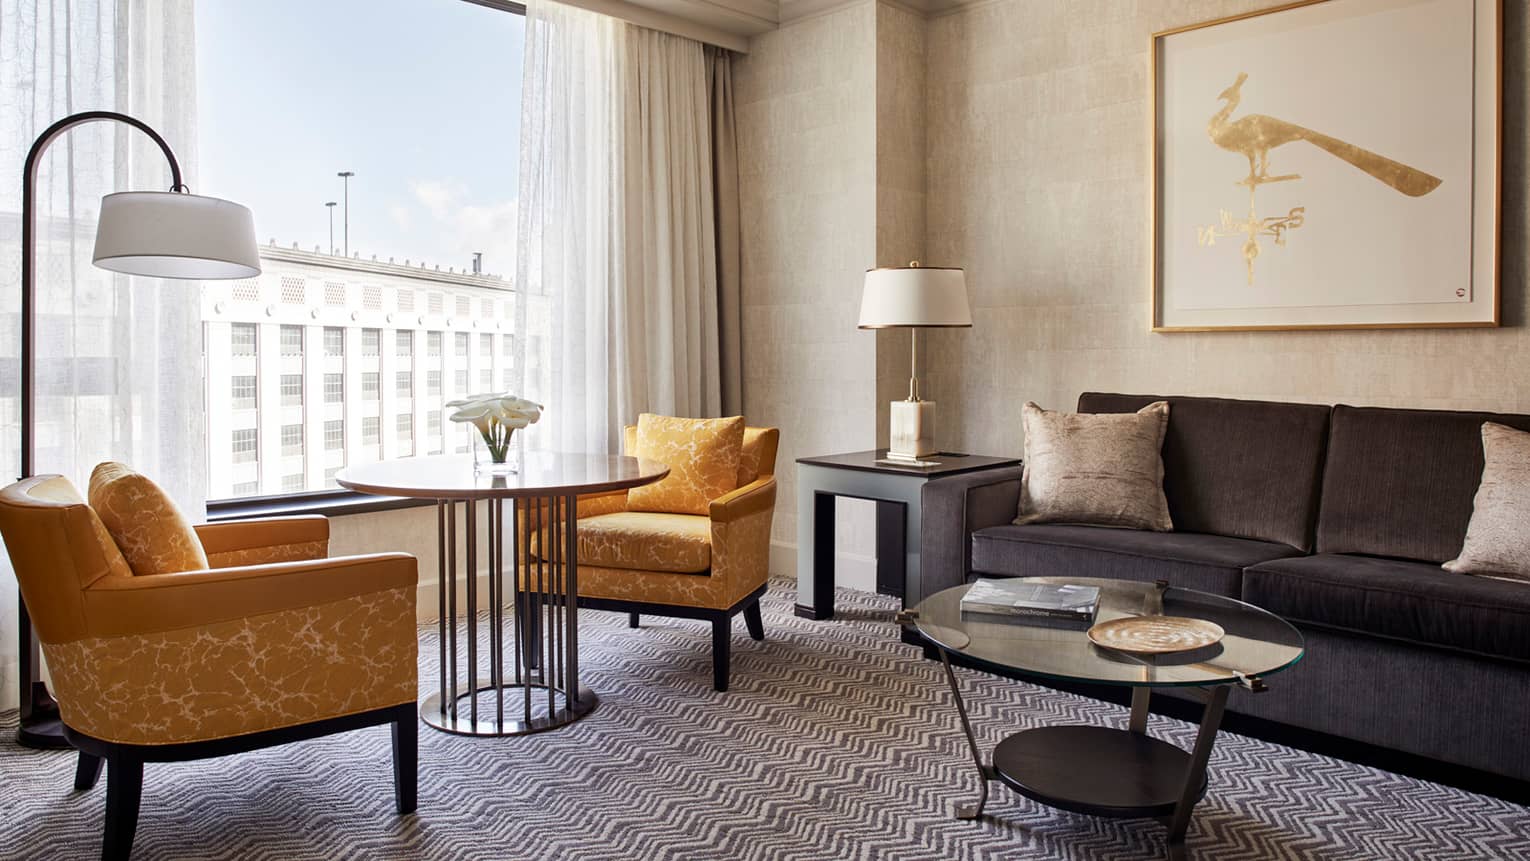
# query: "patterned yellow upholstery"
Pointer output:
{"type": "Point", "coordinates": [275, 635]}
{"type": "Point", "coordinates": [737, 531]}
{"type": "Point", "coordinates": [147, 526]}
{"type": "Point", "coordinates": [703, 459]}
{"type": "Point", "coordinates": [641, 540]}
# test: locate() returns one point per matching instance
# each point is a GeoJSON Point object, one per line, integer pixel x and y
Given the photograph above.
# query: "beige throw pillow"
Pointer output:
{"type": "Point", "coordinates": [1098, 468]}
{"type": "Point", "coordinates": [1497, 541]}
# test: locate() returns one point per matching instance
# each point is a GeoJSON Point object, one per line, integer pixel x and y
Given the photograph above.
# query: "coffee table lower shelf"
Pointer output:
{"type": "Point", "coordinates": [1096, 771]}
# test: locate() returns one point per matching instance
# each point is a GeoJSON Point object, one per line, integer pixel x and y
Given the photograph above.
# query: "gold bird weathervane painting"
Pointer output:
{"type": "Point", "coordinates": [1253, 136]}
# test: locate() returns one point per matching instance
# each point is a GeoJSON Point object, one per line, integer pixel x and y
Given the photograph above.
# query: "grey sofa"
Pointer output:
{"type": "Point", "coordinates": [1336, 518]}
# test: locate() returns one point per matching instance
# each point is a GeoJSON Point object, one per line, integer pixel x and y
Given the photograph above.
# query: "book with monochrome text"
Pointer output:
{"type": "Point", "coordinates": [1019, 599]}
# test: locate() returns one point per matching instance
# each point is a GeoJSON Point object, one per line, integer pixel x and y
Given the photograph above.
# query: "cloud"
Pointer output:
{"type": "Point", "coordinates": [460, 229]}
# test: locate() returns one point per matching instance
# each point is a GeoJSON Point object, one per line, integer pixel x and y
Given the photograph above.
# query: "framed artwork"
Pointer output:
{"type": "Point", "coordinates": [1329, 164]}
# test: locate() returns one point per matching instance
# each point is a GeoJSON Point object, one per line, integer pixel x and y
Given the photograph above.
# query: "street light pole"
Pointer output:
{"type": "Point", "coordinates": [330, 205]}
{"type": "Point", "coordinates": [345, 177]}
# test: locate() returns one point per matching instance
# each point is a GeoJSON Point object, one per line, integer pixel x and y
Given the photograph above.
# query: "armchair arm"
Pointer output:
{"type": "Point", "coordinates": [741, 537]}
{"type": "Point", "coordinates": [252, 542]}
{"type": "Point", "coordinates": [204, 655]}
{"type": "Point", "coordinates": [123, 606]}
{"type": "Point", "coordinates": [953, 508]}
{"type": "Point", "coordinates": [757, 495]}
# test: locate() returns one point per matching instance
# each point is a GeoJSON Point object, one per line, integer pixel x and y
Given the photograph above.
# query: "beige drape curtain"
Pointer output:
{"type": "Point", "coordinates": [628, 225]}
{"type": "Point", "coordinates": [725, 198]}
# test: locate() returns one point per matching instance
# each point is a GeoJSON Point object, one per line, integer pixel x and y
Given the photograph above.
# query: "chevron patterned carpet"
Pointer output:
{"type": "Point", "coordinates": [836, 742]}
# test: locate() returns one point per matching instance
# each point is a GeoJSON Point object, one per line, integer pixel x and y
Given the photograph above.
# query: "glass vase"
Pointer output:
{"type": "Point", "coordinates": [485, 462]}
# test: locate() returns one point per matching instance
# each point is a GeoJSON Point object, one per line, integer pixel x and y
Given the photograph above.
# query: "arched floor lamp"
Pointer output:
{"type": "Point", "coordinates": [157, 234]}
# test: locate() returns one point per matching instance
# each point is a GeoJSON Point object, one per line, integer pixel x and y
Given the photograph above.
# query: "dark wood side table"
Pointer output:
{"type": "Point", "coordinates": [897, 491]}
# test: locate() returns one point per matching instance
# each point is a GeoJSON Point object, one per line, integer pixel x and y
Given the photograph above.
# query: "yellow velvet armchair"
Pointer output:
{"type": "Point", "coordinates": [709, 567]}
{"type": "Point", "coordinates": [272, 643]}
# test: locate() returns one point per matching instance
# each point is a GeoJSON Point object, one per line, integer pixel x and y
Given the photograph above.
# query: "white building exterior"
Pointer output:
{"type": "Point", "coordinates": [324, 361]}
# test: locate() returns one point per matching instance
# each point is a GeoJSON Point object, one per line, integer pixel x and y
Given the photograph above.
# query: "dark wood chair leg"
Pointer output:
{"type": "Point", "coordinates": [87, 772]}
{"type": "Point", "coordinates": [632, 620]}
{"type": "Point", "coordinates": [124, 790]}
{"type": "Point", "coordinates": [406, 760]}
{"type": "Point", "coordinates": [754, 621]}
{"type": "Point", "coordinates": [722, 640]}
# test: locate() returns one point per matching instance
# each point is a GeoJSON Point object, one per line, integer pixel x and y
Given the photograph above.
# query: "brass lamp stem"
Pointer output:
{"type": "Point", "coordinates": [913, 364]}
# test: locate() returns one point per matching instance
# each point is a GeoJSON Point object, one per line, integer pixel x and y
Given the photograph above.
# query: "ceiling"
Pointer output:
{"type": "Point", "coordinates": [734, 22]}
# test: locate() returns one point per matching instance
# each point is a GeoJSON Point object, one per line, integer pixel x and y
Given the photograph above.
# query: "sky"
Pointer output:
{"type": "Point", "coordinates": [421, 98]}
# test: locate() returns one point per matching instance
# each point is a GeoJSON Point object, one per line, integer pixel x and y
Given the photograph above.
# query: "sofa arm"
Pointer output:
{"type": "Point", "coordinates": [757, 495]}
{"type": "Point", "coordinates": [955, 507]}
{"type": "Point", "coordinates": [256, 542]}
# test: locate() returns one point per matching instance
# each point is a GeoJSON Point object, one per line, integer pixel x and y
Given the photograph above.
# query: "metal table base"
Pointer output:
{"type": "Point", "coordinates": [539, 688]}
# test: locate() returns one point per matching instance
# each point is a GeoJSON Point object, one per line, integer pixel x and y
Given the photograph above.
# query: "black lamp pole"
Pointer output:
{"type": "Point", "coordinates": [40, 726]}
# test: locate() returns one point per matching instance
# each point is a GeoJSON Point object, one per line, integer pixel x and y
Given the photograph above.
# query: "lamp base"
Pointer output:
{"type": "Point", "coordinates": [912, 431]}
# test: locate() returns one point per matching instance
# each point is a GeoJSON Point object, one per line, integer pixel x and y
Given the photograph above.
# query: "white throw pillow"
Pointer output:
{"type": "Point", "coordinates": [1498, 536]}
{"type": "Point", "coordinates": [1104, 469]}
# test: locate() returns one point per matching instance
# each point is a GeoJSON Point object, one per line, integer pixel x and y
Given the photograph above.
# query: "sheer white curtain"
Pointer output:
{"type": "Point", "coordinates": [119, 359]}
{"type": "Point", "coordinates": [616, 224]}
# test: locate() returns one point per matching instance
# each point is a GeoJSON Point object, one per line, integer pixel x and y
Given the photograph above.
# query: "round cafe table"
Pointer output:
{"type": "Point", "coordinates": [542, 689]}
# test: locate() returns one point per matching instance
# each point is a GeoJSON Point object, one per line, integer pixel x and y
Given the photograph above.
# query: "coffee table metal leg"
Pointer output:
{"type": "Point", "coordinates": [1140, 698]}
{"type": "Point", "coordinates": [985, 773]}
{"type": "Point", "coordinates": [1195, 776]}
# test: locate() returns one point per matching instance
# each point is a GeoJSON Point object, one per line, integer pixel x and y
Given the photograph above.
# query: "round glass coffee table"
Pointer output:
{"type": "Point", "coordinates": [1103, 771]}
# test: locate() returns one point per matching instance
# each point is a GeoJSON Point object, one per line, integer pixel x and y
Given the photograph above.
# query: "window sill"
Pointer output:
{"type": "Point", "coordinates": [333, 503]}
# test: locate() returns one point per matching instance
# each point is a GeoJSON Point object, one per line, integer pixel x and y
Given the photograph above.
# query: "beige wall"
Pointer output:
{"type": "Point", "coordinates": [1038, 184]}
{"type": "Point", "coordinates": [806, 101]}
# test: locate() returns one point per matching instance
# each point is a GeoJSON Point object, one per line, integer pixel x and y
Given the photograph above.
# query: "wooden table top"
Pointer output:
{"type": "Point", "coordinates": [451, 476]}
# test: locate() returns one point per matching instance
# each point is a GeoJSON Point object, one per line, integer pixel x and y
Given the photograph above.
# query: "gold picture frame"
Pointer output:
{"type": "Point", "coordinates": [1197, 294]}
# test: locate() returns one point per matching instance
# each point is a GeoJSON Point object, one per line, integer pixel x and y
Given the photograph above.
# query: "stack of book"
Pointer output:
{"type": "Point", "coordinates": [1027, 601]}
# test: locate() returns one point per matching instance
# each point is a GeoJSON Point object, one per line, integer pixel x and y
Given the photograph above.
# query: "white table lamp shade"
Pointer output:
{"type": "Point", "coordinates": [162, 234]}
{"type": "Point", "coordinates": [914, 296]}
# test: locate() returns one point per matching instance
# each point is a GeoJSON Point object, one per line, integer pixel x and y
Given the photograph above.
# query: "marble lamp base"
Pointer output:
{"type": "Point", "coordinates": [913, 430]}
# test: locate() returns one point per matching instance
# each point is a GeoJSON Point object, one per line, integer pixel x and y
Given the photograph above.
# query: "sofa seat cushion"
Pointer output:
{"type": "Point", "coordinates": [643, 541]}
{"type": "Point", "coordinates": [1210, 563]}
{"type": "Point", "coordinates": [1414, 601]}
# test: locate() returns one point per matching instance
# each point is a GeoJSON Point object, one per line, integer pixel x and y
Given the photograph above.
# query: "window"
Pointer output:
{"type": "Point", "coordinates": [507, 344]}
{"type": "Point", "coordinates": [329, 476]}
{"type": "Point", "coordinates": [486, 346]}
{"type": "Point", "coordinates": [292, 340]}
{"type": "Point", "coordinates": [485, 380]}
{"type": "Point", "coordinates": [242, 339]}
{"type": "Point", "coordinates": [242, 390]}
{"type": "Point", "coordinates": [459, 385]}
{"type": "Point", "coordinates": [333, 319]}
{"type": "Point", "coordinates": [433, 423]}
{"type": "Point", "coordinates": [243, 449]}
{"type": "Point", "coordinates": [292, 440]}
{"type": "Point", "coordinates": [405, 425]}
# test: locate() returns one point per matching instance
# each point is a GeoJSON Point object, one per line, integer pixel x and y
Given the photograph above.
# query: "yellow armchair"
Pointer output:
{"type": "Point", "coordinates": [273, 643]}
{"type": "Point", "coordinates": [711, 567]}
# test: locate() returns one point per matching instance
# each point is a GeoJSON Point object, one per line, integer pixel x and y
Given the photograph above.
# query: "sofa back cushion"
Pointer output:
{"type": "Point", "coordinates": [1400, 482]}
{"type": "Point", "coordinates": [1246, 469]}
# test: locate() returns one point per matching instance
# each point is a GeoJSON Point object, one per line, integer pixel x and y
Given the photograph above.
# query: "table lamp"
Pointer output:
{"type": "Point", "coordinates": [914, 297]}
{"type": "Point", "coordinates": [158, 234]}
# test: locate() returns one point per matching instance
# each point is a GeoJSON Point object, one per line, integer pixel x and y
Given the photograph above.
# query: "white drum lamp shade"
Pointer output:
{"type": "Point", "coordinates": [164, 234]}
{"type": "Point", "coordinates": [914, 296]}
